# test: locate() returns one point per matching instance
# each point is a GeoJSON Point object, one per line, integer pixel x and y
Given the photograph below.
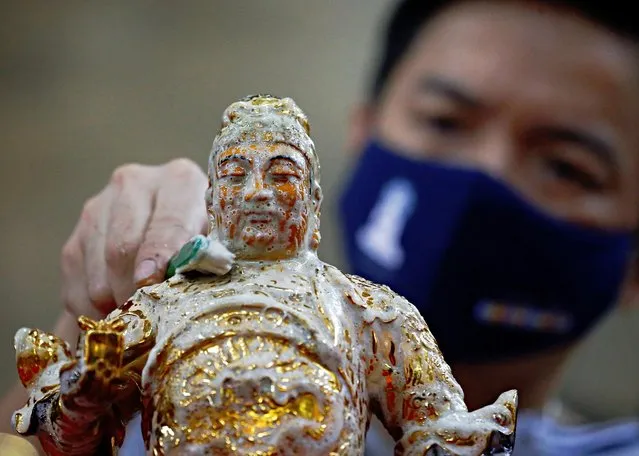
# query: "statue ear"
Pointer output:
{"type": "Point", "coordinates": [317, 199]}
{"type": "Point", "coordinates": [209, 194]}
{"type": "Point", "coordinates": [316, 237]}
{"type": "Point", "coordinates": [209, 209]}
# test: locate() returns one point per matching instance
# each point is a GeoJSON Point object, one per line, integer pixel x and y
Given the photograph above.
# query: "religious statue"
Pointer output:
{"type": "Point", "coordinates": [253, 345]}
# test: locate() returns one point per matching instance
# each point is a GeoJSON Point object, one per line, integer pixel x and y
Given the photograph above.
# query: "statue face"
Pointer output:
{"type": "Point", "coordinates": [261, 200]}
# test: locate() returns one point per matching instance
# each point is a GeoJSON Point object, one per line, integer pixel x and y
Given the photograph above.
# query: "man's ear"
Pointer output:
{"type": "Point", "coordinates": [360, 126]}
{"type": "Point", "coordinates": [629, 297]}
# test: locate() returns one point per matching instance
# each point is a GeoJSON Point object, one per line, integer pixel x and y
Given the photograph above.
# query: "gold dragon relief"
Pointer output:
{"type": "Point", "coordinates": [254, 392]}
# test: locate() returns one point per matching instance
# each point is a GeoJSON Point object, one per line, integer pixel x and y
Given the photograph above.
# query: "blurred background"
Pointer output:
{"type": "Point", "coordinates": [88, 86]}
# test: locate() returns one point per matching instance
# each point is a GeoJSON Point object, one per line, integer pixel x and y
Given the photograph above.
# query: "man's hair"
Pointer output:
{"type": "Point", "coordinates": [409, 16]}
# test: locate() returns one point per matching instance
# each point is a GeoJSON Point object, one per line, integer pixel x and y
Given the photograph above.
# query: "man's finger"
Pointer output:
{"type": "Point", "coordinates": [92, 241]}
{"type": "Point", "coordinates": [131, 207]}
{"type": "Point", "coordinates": [180, 214]}
{"type": "Point", "coordinates": [74, 292]}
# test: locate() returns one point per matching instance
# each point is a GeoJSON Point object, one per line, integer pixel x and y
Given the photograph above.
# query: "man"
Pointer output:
{"type": "Point", "coordinates": [278, 353]}
{"type": "Point", "coordinates": [525, 247]}
{"type": "Point", "coordinates": [539, 98]}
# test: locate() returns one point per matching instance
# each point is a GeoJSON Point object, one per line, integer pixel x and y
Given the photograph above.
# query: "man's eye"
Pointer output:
{"type": "Point", "coordinates": [443, 124]}
{"type": "Point", "coordinates": [572, 173]}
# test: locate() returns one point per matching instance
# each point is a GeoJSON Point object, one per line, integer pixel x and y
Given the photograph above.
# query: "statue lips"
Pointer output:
{"type": "Point", "coordinates": [259, 216]}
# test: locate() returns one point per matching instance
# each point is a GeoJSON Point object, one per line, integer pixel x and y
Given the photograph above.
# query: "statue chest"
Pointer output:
{"type": "Point", "coordinates": [255, 365]}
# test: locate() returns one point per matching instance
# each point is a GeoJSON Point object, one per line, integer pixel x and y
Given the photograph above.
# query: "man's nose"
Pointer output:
{"type": "Point", "coordinates": [493, 153]}
{"type": "Point", "coordinates": [256, 190]}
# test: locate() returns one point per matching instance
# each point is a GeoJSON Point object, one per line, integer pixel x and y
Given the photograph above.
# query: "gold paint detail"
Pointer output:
{"type": "Point", "coordinates": [36, 351]}
{"type": "Point", "coordinates": [211, 394]}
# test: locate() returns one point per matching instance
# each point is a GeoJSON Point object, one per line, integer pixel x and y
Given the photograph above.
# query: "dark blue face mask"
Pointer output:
{"type": "Point", "coordinates": [493, 276]}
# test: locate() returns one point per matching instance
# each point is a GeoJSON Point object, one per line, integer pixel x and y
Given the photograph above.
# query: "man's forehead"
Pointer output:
{"type": "Point", "coordinates": [259, 151]}
{"type": "Point", "coordinates": [495, 52]}
{"type": "Point", "coordinates": [474, 29]}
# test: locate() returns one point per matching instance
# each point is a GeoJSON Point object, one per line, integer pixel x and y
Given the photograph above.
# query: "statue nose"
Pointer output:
{"type": "Point", "coordinates": [256, 190]}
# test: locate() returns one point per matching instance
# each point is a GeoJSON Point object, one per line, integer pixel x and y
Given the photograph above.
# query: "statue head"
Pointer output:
{"type": "Point", "coordinates": [264, 195]}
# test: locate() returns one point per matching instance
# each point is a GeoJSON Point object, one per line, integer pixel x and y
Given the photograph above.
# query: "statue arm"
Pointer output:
{"type": "Point", "coordinates": [413, 391]}
{"type": "Point", "coordinates": [77, 402]}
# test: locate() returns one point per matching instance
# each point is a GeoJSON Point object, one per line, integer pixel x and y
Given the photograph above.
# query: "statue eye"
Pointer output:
{"type": "Point", "coordinates": [233, 171]}
{"type": "Point", "coordinates": [283, 173]}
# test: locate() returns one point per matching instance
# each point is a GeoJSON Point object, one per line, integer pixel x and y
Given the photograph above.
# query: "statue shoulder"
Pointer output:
{"type": "Point", "coordinates": [382, 298]}
{"type": "Point", "coordinates": [178, 284]}
{"type": "Point", "coordinates": [374, 293]}
{"type": "Point", "coordinates": [382, 301]}
{"type": "Point", "coordinates": [378, 301]}
{"type": "Point", "coordinates": [377, 298]}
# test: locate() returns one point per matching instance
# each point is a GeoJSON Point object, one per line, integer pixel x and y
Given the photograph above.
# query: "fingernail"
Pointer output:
{"type": "Point", "coordinates": [144, 273]}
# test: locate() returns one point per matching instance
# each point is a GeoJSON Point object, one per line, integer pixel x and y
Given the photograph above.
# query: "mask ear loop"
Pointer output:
{"type": "Point", "coordinates": [629, 297]}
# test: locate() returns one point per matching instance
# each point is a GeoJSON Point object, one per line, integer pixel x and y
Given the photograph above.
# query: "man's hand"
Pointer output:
{"type": "Point", "coordinates": [127, 233]}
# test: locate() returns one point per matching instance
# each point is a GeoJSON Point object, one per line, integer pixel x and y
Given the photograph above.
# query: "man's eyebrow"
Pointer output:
{"type": "Point", "coordinates": [595, 145]}
{"type": "Point", "coordinates": [449, 89]}
{"type": "Point", "coordinates": [233, 157]}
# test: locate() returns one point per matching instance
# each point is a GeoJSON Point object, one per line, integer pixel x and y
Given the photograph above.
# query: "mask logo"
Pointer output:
{"type": "Point", "coordinates": [380, 237]}
{"type": "Point", "coordinates": [524, 317]}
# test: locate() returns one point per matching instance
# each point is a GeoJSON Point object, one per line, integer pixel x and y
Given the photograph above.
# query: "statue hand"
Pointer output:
{"type": "Point", "coordinates": [96, 377]}
{"type": "Point", "coordinates": [488, 430]}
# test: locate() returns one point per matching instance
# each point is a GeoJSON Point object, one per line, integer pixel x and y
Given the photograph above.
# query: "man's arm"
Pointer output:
{"type": "Point", "coordinates": [413, 391]}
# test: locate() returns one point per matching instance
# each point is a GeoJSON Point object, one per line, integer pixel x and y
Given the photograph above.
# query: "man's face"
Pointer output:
{"type": "Point", "coordinates": [261, 200]}
{"type": "Point", "coordinates": [539, 98]}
